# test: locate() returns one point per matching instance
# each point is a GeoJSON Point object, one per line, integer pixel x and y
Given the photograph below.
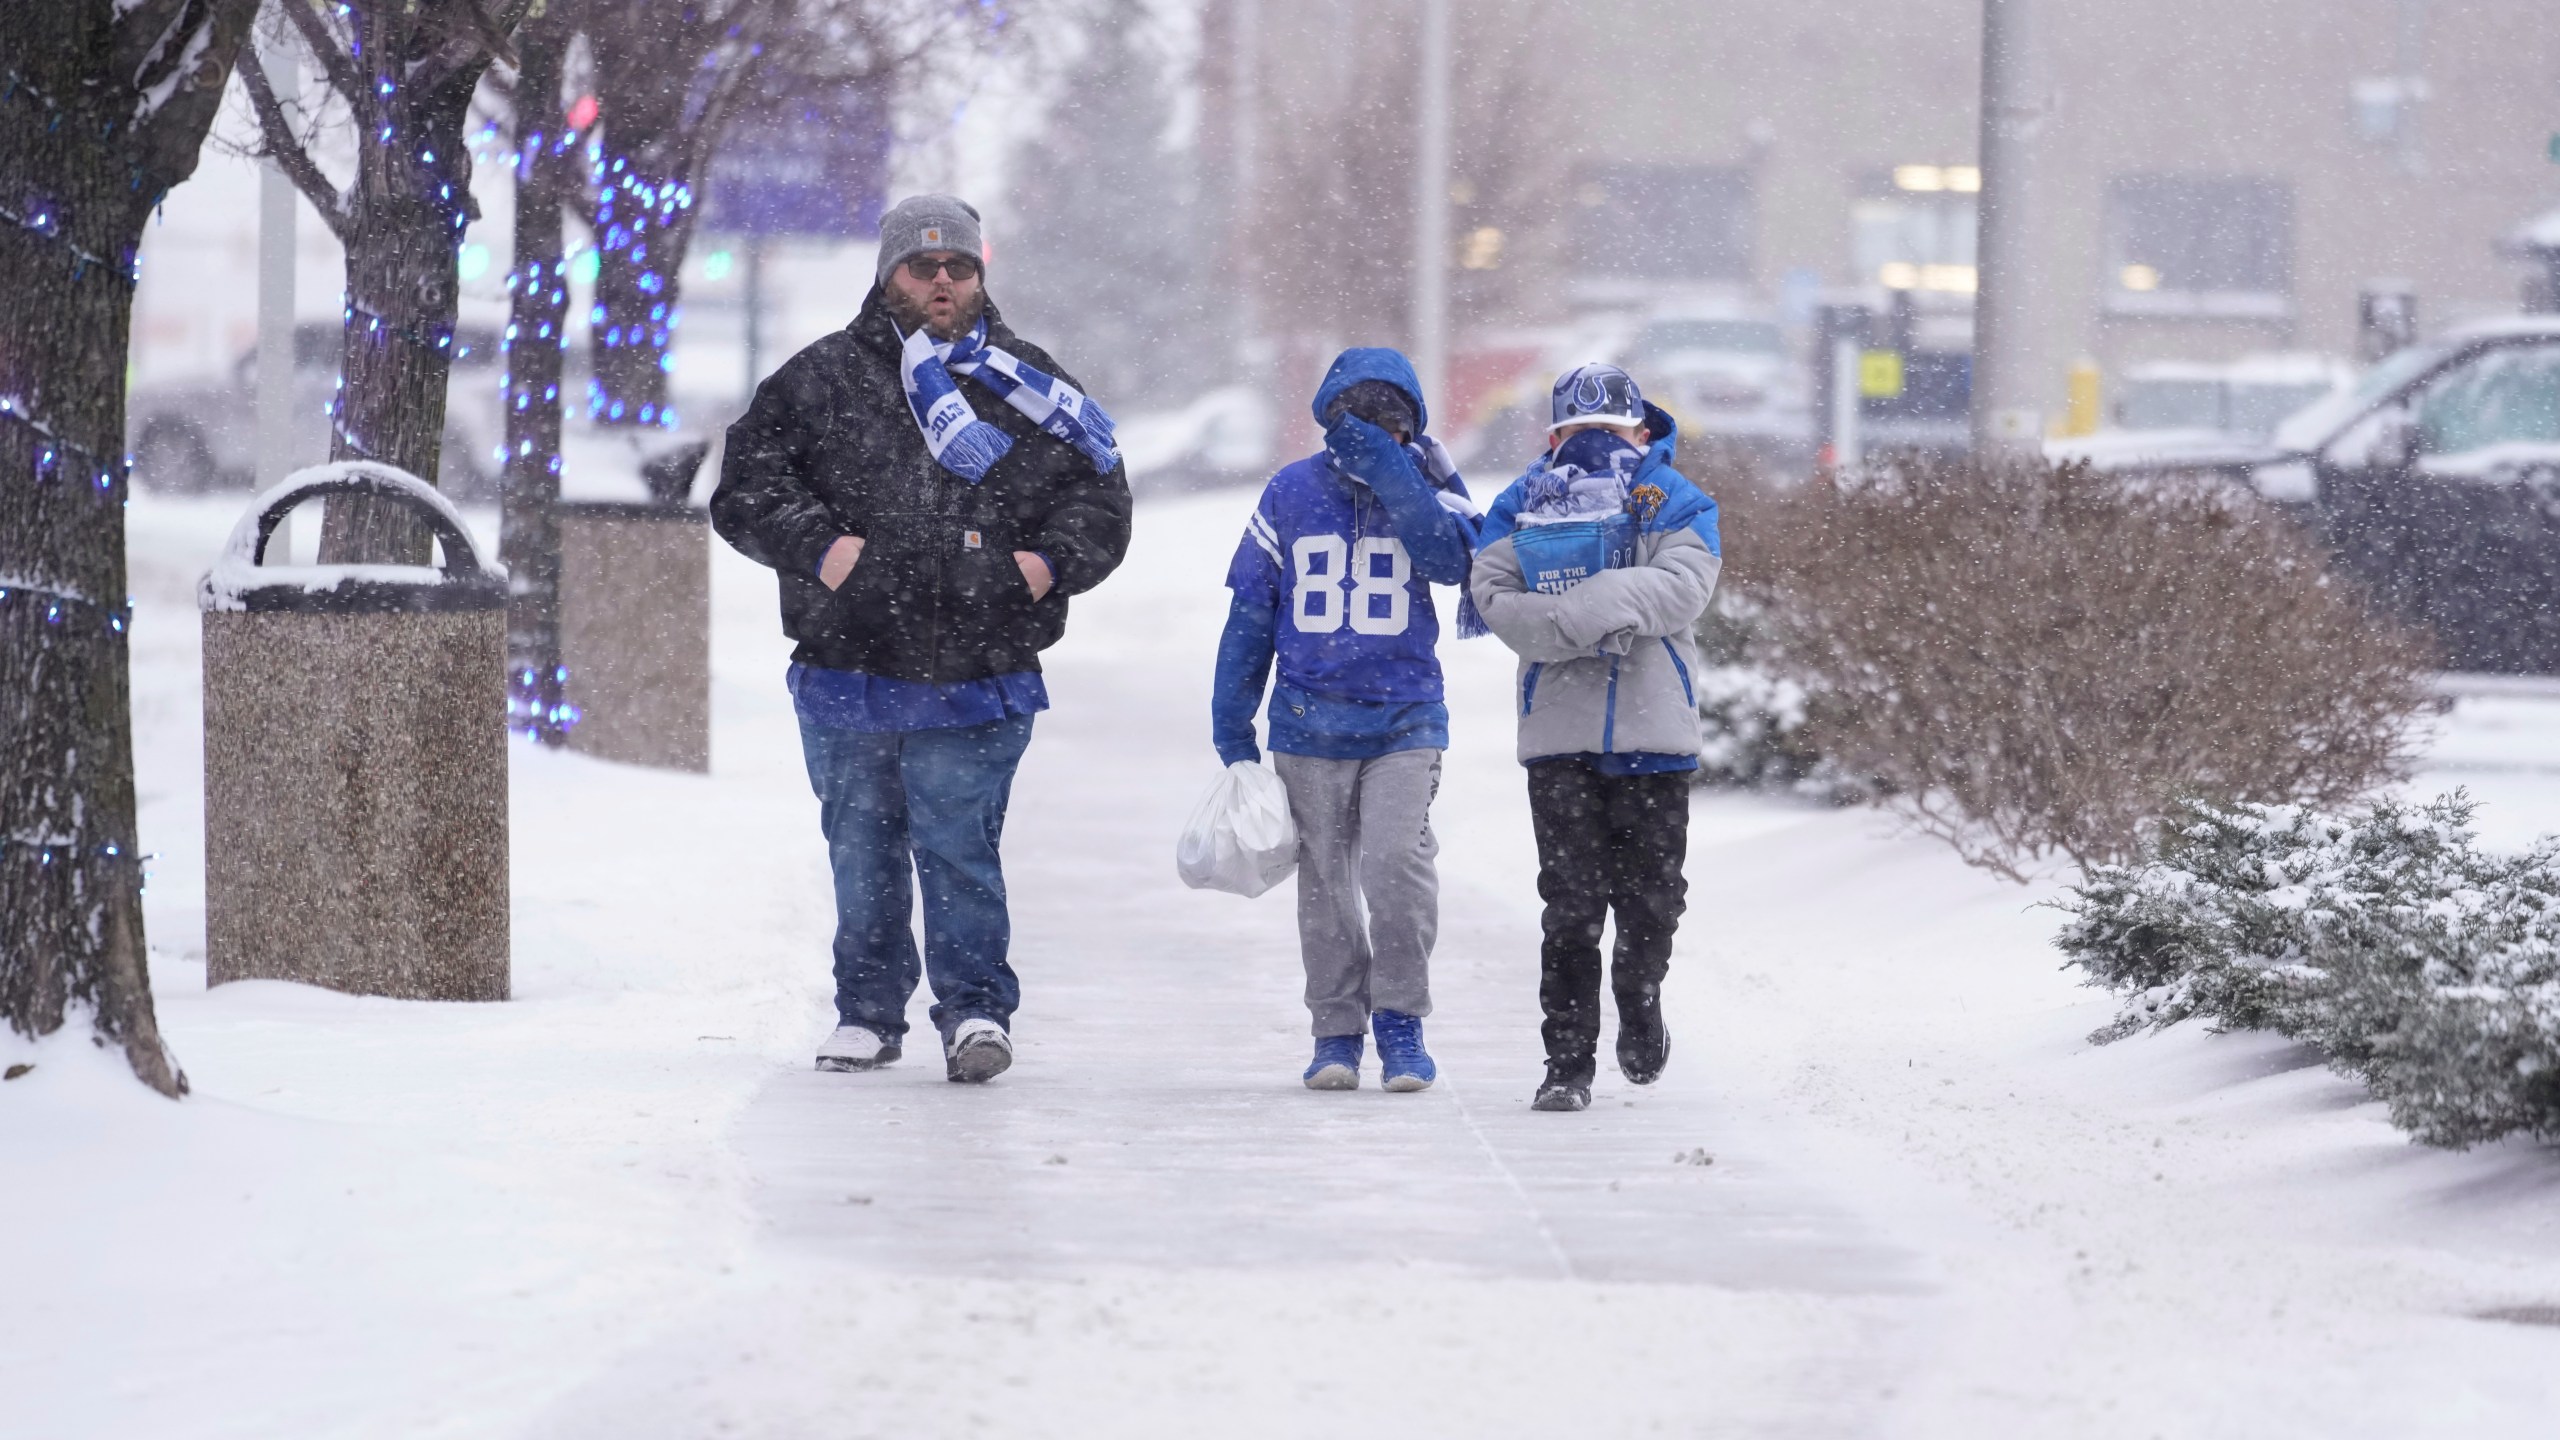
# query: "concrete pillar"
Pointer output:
{"type": "Point", "coordinates": [635, 631]}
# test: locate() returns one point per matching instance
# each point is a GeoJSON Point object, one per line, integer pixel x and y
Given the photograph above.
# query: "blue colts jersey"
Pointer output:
{"type": "Point", "coordinates": [1354, 620]}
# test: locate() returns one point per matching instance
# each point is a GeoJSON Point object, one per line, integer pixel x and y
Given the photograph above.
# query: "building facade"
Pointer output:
{"type": "Point", "coordinates": [2213, 178]}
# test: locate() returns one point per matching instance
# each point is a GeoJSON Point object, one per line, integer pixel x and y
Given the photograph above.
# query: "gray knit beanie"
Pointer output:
{"type": "Point", "coordinates": [927, 222]}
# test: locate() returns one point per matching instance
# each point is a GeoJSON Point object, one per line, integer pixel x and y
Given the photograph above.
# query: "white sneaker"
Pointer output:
{"type": "Point", "coordinates": [854, 1048]}
{"type": "Point", "coordinates": [977, 1051]}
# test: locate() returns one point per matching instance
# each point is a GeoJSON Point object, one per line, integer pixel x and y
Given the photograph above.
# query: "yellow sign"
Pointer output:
{"type": "Point", "coordinates": [1880, 374]}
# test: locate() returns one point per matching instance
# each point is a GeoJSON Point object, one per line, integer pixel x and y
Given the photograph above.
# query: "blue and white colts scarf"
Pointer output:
{"type": "Point", "coordinates": [966, 445]}
{"type": "Point", "coordinates": [1586, 478]}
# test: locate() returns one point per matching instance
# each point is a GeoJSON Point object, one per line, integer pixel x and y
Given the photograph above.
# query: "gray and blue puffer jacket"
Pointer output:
{"type": "Point", "coordinates": [1608, 663]}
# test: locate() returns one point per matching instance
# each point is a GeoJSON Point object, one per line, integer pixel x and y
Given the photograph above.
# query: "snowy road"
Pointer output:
{"type": "Point", "coordinates": [624, 1205]}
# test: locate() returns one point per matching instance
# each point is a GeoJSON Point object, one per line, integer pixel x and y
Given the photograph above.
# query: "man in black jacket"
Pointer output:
{"type": "Point", "coordinates": [930, 489]}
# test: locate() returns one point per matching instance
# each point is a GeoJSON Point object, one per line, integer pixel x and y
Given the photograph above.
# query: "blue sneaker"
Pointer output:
{"type": "Point", "coordinates": [1337, 1063]}
{"type": "Point", "coordinates": [1402, 1062]}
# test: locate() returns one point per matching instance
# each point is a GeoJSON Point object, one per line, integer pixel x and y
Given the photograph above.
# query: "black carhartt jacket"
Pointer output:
{"type": "Point", "coordinates": [830, 448]}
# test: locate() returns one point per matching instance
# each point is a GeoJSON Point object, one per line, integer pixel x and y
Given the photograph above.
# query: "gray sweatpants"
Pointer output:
{"type": "Point", "coordinates": [1364, 834]}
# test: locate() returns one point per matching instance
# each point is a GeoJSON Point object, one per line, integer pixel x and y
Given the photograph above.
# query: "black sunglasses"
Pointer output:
{"type": "Point", "coordinates": [958, 267]}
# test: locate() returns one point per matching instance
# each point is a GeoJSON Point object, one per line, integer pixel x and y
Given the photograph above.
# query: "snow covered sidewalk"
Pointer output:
{"type": "Point", "coordinates": [623, 1204]}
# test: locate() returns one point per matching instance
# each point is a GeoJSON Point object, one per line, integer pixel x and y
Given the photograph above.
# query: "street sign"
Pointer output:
{"type": "Point", "coordinates": [821, 168]}
{"type": "Point", "coordinates": [1879, 374]}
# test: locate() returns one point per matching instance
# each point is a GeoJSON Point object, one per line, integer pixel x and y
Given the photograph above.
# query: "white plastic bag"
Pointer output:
{"type": "Point", "coordinates": [1241, 839]}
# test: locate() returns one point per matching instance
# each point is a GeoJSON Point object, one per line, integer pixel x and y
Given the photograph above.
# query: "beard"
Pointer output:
{"type": "Point", "coordinates": [910, 314]}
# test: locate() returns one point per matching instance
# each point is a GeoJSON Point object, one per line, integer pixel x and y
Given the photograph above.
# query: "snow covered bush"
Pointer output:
{"type": "Point", "coordinates": [2029, 660]}
{"type": "Point", "coordinates": [2388, 938]}
{"type": "Point", "coordinates": [1753, 716]}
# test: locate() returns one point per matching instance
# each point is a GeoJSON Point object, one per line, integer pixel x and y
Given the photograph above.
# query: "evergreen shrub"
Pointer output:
{"type": "Point", "coordinates": [2388, 938]}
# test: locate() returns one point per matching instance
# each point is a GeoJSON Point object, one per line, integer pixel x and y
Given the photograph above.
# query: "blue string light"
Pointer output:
{"type": "Point", "coordinates": [48, 849]}
{"type": "Point", "coordinates": [530, 715]}
{"type": "Point", "coordinates": [58, 461]}
{"type": "Point", "coordinates": [61, 605]}
{"type": "Point", "coordinates": [632, 210]}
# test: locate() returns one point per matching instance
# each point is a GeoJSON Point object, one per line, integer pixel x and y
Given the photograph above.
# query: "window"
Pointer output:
{"type": "Point", "coordinates": [1664, 222]}
{"type": "Point", "coordinates": [2505, 398]}
{"type": "Point", "coordinates": [2200, 246]}
{"type": "Point", "coordinates": [2233, 404]}
{"type": "Point", "coordinates": [1915, 228]}
{"type": "Point", "coordinates": [2164, 404]}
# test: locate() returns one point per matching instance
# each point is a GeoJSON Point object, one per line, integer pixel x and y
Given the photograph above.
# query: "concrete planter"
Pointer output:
{"type": "Point", "coordinates": [356, 761]}
{"type": "Point", "coordinates": [635, 631]}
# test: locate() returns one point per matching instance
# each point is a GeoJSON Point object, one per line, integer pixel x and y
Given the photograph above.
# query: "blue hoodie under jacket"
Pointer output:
{"type": "Point", "coordinates": [1333, 580]}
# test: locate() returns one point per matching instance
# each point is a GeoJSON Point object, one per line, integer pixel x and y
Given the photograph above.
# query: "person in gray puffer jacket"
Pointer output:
{"type": "Point", "coordinates": [1595, 567]}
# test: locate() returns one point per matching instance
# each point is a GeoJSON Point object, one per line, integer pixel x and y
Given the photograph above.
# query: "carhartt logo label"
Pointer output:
{"type": "Point", "coordinates": [969, 540]}
{"type": "Point", "coordinates": [933, 235]}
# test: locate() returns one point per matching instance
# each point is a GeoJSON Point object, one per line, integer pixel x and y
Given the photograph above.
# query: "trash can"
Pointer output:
{"type": "Point", "coordinates": [635, 631]}
{"type": "Point", "coordinates": [355, 759]}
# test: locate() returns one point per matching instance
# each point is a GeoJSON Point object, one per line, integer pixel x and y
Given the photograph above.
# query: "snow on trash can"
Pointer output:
{"type": "Point", "coordinates": [355, 758]}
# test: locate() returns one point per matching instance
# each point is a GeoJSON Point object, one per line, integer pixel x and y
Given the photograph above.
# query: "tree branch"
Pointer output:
{"type": "Point", "coordinates": [490, 31]}
{"type": "Point", "coordinates": [288, 153]}
{"type": "Point", "coordinates": [322, 42]}
{"type": "Point", "coordinates": [473, 29]}
{"type": "Point", "coordinates": [151, 40]}
{"type": "Point", "coordinates": [156, 36]}
{"type": "Point", "coordinates": [696, 141]}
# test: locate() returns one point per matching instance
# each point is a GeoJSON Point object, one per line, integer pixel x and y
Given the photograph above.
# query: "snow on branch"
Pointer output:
{"type": "Point", "coordinates": [162, 46]}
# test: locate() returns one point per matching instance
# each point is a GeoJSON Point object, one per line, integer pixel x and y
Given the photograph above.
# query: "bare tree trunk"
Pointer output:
{"type": "Point", "coordinates": [406, 71]}
{"type": "Point", "coordinates": [644, 224]}
{"type": "Point", "coordinates": [537, 324]}
{"type": "Point", "coordinates": [670, 80]}
{"type": "Point", "coordinates": [402, 290]}
{"type": "Point", "coordinates": [105, 107]}
{"type": "Point", "coordinates": [406, 213]}
{"type": "Point", "coordinates": [663, 82]}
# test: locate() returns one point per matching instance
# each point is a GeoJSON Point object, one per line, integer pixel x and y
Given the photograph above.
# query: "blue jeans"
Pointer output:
{"type": "Point", "coordinates": [933, 799]}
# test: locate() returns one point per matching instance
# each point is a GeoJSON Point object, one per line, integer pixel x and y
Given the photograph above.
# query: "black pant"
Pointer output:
{"type": "Point", "coordinates": [1605, 843]}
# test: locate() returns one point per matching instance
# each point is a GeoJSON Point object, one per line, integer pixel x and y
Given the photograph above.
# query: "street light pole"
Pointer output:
{"type": "Point", "coordinates": [2005, 414]}
{"type": "Point", "coordinates": [1431, 207]}
{"type": "Point", "coordinates": [276, 204]}
{"type": "Point", "coordinates": [1245, 56]}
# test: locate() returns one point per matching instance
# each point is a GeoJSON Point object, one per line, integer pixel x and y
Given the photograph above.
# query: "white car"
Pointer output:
{"type": "Point", "coordinates": [202, 436]}
{"type": "Point", "coordinates": [1722, 373]}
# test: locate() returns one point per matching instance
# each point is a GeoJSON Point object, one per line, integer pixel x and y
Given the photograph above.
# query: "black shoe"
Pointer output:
{"type": "Point", "coordinates": [1567, 1086]}
{"type": "Point", "coordinates": [1561, 1095]}
{"type": "Point", "coordinates": [1644, 1046]}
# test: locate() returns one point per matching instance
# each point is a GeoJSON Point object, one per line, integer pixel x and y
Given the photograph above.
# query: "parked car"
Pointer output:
{"type": "Point", "coordinates": [2435, 480]}
{"type": "Point", "coordinates": [2178, 407]}
{"type": "Point", "coordinates": [1722, 372]}
{"type": "Point", "coordinates": [200, 436]}
{"type": "Point", "coordinates": [2248, 397]}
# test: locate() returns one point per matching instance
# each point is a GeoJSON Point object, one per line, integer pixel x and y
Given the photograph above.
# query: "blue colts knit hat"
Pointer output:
{"type": "Point", "coordinates": [1595, 395]}
{"type": "Point", "coordinates": [927, 222]}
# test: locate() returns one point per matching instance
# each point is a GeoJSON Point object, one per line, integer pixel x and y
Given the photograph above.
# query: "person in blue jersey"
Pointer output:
{"type": "Point", "coordinates": [1595, 567]}
{"type": "Point", "coordinates": [1332, 580]}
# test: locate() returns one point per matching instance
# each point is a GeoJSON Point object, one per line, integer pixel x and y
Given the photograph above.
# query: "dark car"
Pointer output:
{"type": "Point", "coordinates": [2435, 480]}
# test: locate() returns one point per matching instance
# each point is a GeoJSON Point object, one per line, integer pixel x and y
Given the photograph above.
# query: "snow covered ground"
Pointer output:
{"type": "Point", "coordinates": [1885, 1189]}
